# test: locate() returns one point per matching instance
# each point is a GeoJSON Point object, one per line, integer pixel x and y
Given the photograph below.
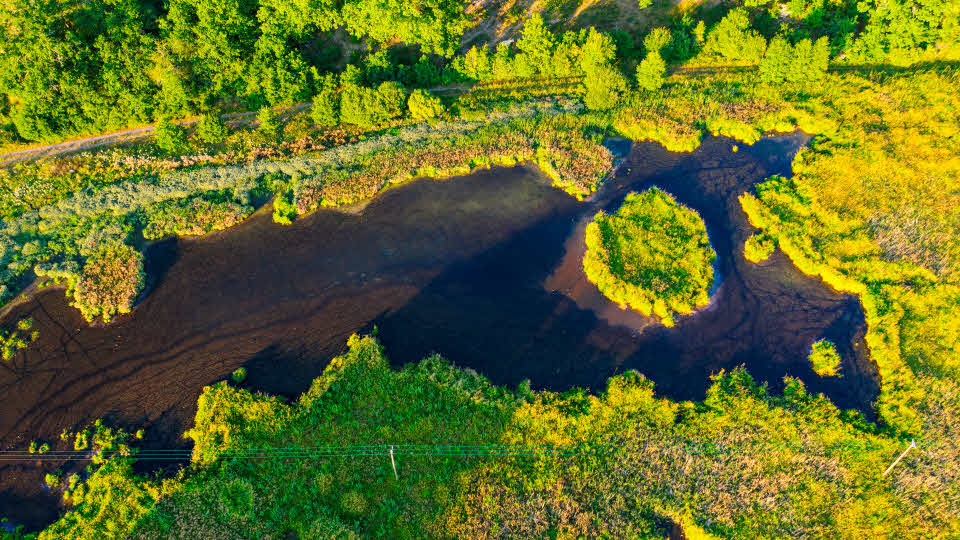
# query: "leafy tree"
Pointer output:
{"type": "Point", "coordinates": [170, 137]}
{"type": "Point", "coordinates": [326, 105]}
{"type": "Point", "coordinates": [393, 99]}
{"type": "Point", "coordinates": [810, 60]}
{"type": "Point", "coordinates": [734, 39]}
{"type": "Point", "coordinates": [267, 122]}
{"type": "Point", "coordinates": [423, 105]}
{"type": "Point", "coordinates": [475, 64]}
{"type": "Point", "coordinates": [502, 63]}
{"type": "Point", "coordinates": [598, 51]}
{"type": "Point", "coordinates": [435, 25]}
{"type": "Point", "coordinates": [604, 87]}
{"type": "Point", "coordinates": [352, 75]}
{"type": "Point", "coordinates": [537, 42]}
{"type": "Point", "coordinates": [775, 66]}
{"type": "Point", "coordinates": [657, 39]}
{"type": "Point", "coordinates": [650, 72]}
{"type": "Point", "coordinates": [803, 62]}
{"type": "Point", "coordinates": [366, 107]}
{"type": "Point", "coordinates": [211, 42]}
{"type": "Point", "coordinates": [699, 32]}
{"type": "Point", "coordinates": [901, 31]}
{"type": "Point", "coordinates": [603, 83]}
{"type": "Point", "coordinates": [277, 74]}
{"type": "Point", "coordinates": [65, 70]}
{"type": "Point", "coordinates": [211, 129]}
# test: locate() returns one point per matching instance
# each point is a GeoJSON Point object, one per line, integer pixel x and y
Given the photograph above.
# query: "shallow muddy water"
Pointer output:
{"type": "Point", "coordinates": [483, 269]}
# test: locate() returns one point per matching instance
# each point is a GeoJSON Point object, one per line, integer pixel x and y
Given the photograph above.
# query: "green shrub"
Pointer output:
{"type": "Point", "coordinates": [734, 39]}
{"type": "Point", "coordinates": [193, 216]}
{"type": "Point", "coordinates": [824, 358]}
{"type": "Point", "coordinates": [239, 375]}
{"type": "Point", "coordinates": [604, 85]}
{"type": "Point", "coordinates": [267, 122]}
{"type": "Point", "coordinates": [111, 279]}
{"type": "Point", "coordinates": [366, 107]}
{"type": "Point", "coordinates": [211, 129]}
{"type": "Point", "coordinates": [53, 480]}
{"type": "Point", "coordinates": [758, 248]}
{"type": "Point", "coordinates": [424, 106]}
{"type": "Point", "coordinates": [804, 62]}
{"type": "Point", "coordinates": [653, 255]}
{"type": "Point", "coordinates": [657, 40]}
{"type": "Point", "coordinates": [650, 72]}
{"type": "Point", "coordinates": [18, 339]}
{"type": "Point", "coordinates": [170, 137]}
{"type": "Point", "coordinates": [326, 109]}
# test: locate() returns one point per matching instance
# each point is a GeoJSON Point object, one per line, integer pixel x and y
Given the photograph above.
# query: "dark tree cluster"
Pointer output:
{"type": "Point", "coordinates": [70, 67]}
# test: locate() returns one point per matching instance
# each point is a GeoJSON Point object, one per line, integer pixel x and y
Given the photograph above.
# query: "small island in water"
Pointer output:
{"type": "Point", "coordinates": [653, 256]}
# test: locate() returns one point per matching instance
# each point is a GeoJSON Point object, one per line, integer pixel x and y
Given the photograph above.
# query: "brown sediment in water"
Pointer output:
{"type": "Point", "coordinates": [458, 267]}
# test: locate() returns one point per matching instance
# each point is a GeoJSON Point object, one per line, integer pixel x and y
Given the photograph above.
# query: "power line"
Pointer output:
{"type": "Point", "coordinates": [449, 450]}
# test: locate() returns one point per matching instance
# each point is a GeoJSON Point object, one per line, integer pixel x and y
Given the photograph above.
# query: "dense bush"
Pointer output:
{"type": "Point", "coordinates": [170, 137]}
{"type": "Point", "coordinates": [758, 248]}
{"type": "Point", "coordinates": [367, 107]}
{"type": "Point", "coordinates": [653, 255]}
{"type": "Point", "coordinates": [193, 216]}
{"type": "Point", "coordinates": [734, 39]}
{"type": "Point", "coordinates": [110, 281]}
{"type": "Point", "coordinates": [424, 106]}
{"type": "Point", "coordinates": [803, 62]}
{"type": "Point", "coordinates": [211, 129]}
{"type": "Point", "coordinates": [650, 72]}
{"type": "Point", "coordinates": [824, 358]}
{"type": "Point", "coordinates": [326, 104]}
{"type": "Point", "coordinates": [17, 339]}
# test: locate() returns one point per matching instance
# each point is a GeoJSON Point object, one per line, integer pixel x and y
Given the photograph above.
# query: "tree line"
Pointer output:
{"type": "Point", "coordinates": [69, 67]}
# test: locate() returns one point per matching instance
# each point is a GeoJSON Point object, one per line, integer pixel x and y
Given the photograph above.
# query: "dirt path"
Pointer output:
{"type": "Point", "coordinates": [118, 137]}
{"type": "Point", "coordinates": [235, 119]}
{"type": "Point", "coordinates": [143, 132]}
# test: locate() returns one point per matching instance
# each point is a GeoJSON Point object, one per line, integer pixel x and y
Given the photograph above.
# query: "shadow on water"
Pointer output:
{"type": "Point", "coordinates": [523, 310]}
{"type": "Point", "coordinates": [482, 268]}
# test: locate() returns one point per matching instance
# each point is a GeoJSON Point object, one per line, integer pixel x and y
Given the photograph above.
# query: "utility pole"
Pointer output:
{"type": "Point", "coordinates": [394, 463]}
{"type": "Point", "coordinates": [890, 468]}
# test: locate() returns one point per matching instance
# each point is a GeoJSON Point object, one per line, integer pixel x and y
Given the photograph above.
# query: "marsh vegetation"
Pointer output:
{"type": "Point", "coordinates": [871, 209]}
{"type": "Point", "coordinates": [652, 255]}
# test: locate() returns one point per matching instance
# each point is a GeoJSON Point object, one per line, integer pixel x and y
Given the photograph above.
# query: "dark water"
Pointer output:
{"type": "Point", "coordinates": [483, 269]}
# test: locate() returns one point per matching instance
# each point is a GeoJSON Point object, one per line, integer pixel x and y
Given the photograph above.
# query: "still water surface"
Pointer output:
{"type": "Point", "coordinates": [483, 269]}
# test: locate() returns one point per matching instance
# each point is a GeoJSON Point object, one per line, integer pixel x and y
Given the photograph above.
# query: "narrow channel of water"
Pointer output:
{"type": "Point", "coordinates": [483, 269]}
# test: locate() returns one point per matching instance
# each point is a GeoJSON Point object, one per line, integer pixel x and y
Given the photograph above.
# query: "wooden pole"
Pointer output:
{"type": "Point", "coordinates": [890, 468]}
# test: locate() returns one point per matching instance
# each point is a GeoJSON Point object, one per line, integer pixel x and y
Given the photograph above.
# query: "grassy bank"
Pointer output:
{"type": "Point", "coordinates": [742, 463]}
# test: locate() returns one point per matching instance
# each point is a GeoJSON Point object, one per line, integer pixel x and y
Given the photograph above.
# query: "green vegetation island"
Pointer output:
{"type": "Point", "coordinates": [652, 255]}
{"type": "Point", "coordinates": [124, 123]}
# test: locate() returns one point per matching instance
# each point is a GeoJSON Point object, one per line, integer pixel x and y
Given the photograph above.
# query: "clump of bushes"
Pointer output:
{"type": "Point", "coordinates": [758, 248]}
{"type": "Point", "coordinates": [53, 480]}
{"type": "Point", "coordinates": [18, 339]}
{"type": "Point", "coordinates": [653, 255]}
{"type": "Point", "coordinates": [193, 216]}
{"type": "Point", "coordinates": [239, 375]}
{"type": "Point", "coordinates": [110, 282]}
{"type": "Point", "coordinates": [824, 358]}
{"type": "Point", "coordinates": [424, 106]}
{"type": "Point", "coordinates": [211, 129]}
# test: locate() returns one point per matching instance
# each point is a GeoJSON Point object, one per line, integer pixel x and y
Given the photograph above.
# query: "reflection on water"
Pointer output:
{"type": "Point", "coordinates": [483, 269]}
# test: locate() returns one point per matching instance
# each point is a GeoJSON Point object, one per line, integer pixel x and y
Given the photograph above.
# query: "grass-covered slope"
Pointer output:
{"type": "Point", "coordinates": [652, 255]}
{"type": "Point", "coordinates": [742, 463]}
